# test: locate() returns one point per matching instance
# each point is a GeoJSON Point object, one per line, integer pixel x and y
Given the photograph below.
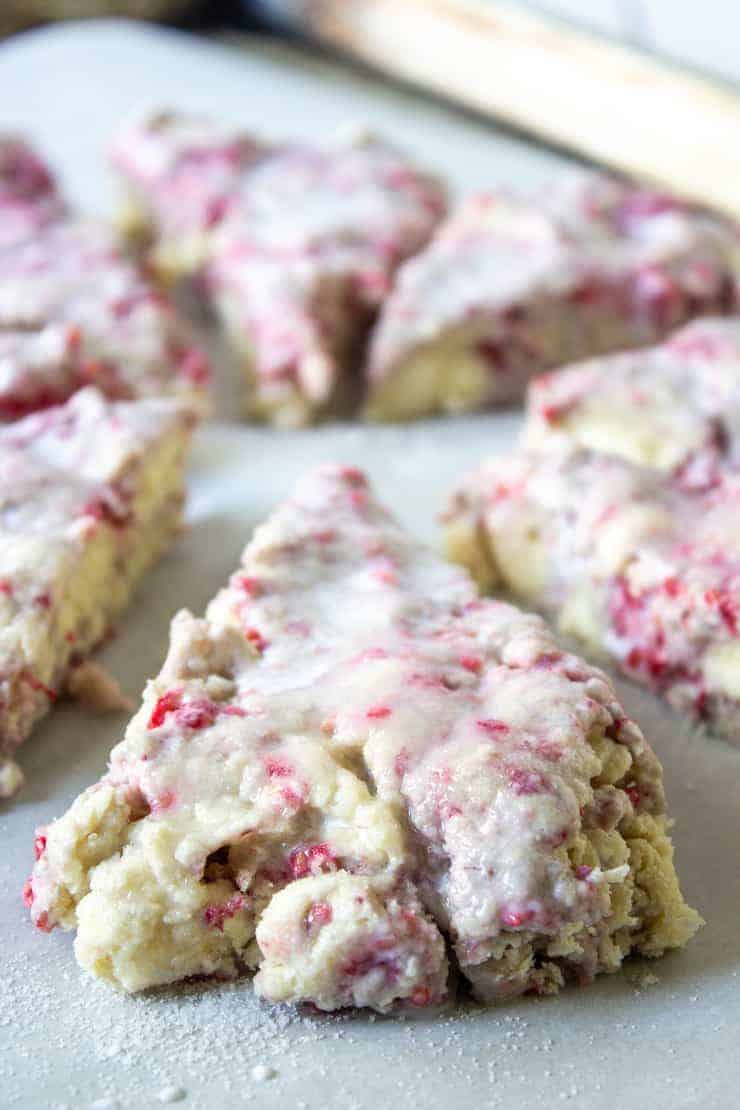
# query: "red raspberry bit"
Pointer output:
{"type": "Point", "coordinates": [492, 726]}
{"type": "Point", "coordinates": [39, 686]}
{"type": "Point", "coordinates": [6, 587]}
{"type": "Point", "coordinates": [74, 337]}
{"type": "Point", "coordinates": [421, 996]}
{"type": "Point", "coordinates": [328, 535]}
{"type": "Point", "coordinates": [164, 801]}
{"type": "Point", "coordinates": [633, 793]}
{"type": "Point", "coordinates": [494, 353]}
{"type": "Point", "coordinates": [233, 711]}
{"type": "Point", "coordinates": [196, 714]}
{"type": "Point", "coordinates": [311, 860]}
{"type": "Point", "coordinates": [216, 914]}
{"type": "Point", "coordinates": [292, 798]}
{"type": "Point", "coordinates": [472, 663]}
{"type": "Point", "coordinates": [194, 366]}
{"type": "Point", "coordinates": [278, 768]}
{"type": "Point", "coordinates": [401, 763]}
{"type": "Point", "coordinates": [70, 637]}
{"type": "Point", "coordinates": [319, 914]}
{"type": "Point", "coordinates": [359, 498]}
{"type": "Point", "coordinates": [256, 639]}
{"type": "Point", "coordinates": [583, 871]}
{"type": "Point", "coordinates": [43, 601]}
{"type": "Point", "coordinates": [104, 511]}
{"type": "Point", "coordinates": [672, 587]}
{"type": "Point", "coordinates": [514, 919]}
{"type": "Point", "coordinates": [167, 703]}
{"type": "Point", "coordinates": [27, 893]}
{"type": "Point", "coordinates": [39, 845]}
{"type": "Point", "coordinates": [378, 712]}
{"type": "Point", "coordinates": [251, 586]}
{"type": "Point", "coordinates": [353, 476]}
{"type": "Point", "coordinates": [524, 782]}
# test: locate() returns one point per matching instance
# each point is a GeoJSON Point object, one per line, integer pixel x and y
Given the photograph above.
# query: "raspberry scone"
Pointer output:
{"type": "Point", "coordinates": [656, 406]}
{"type": "Point", "coordinates": [74, 311]}
{"type": "Point", "coordinates": [350, 759]}
{"type": "Point", "coordinates": [294, 246]}
{"type": "Point", "coordinates": [91, 494]}
{"type": "Point", "coordinates": [511, 286]}
{"type": "Point", "coordinates": [642, 565]}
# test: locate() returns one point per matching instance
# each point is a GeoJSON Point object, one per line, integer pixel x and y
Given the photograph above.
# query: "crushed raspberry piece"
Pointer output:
{"type": "Point", "coordinates": [293, 798]}
{"type": "Point", "coordinates": [494, 353]}
{"type": "Point", "coordinates": [74, 337]}
{"type": "Point", "coordinates": [583, 872]}
{"type": "Point", "coordinates": [525, 782]}
{"type": "Point", "coordinates": [311, 860]}
{"type": "Point", "coordinates": [353, 475]}
{"type": "Point", "coordinates": [216, 914]}
{"type": "Point", "coordinates": [472, 663]}
{"type": "Point", "coordinates": [251, 586]}
{"type": "Point", "coordinates": [197, 713]}
{"type": "Point", "coordinates": [378, 712]}
{"type": "Point", "coordinates": [39, 845]}
{"type": "Point", "coordinates": [167, 703]}
{"type": "Point", "coordinates": [492, 726]}
{"type": "Point", "coordinates": [194, 366]}
{"type": "Point", "coordinates": [278, 768]}
{"type": "Point", "coordinates": [514, 919]}
{"type": "Point", "coordinates": [6, 587]}
{"type": "Point", "coordinates": [27, 893]}
{"type": "Point", "coordinates": [421, 996]}
{"type": "Point", "coordinates": [358, 498]}
{"type": "Point", "coordinates": [104, 510]}
{"type": "Point", "coordinates": [320, 913]}
{"type": "Point", "coordinates": [327, 535]}
{"type": "Point", "coordinates": [401, 763]}
{"type": "Point", "coordinates": [164, 801]}
{"type": "Point", "coordinates": [634, 795]}
{"type": "Point", "coordinates": [256, 639]}
{"type": "Point", "coordinates": [672, 587]}
{"type": "Point", "coordinates": [38, 685]}
{"type": "Point", "coordinates": [43, 601]}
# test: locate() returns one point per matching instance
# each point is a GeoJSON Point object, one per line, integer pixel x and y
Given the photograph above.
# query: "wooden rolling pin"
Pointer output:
{"type": "Point", "coordinates": [610, 103]}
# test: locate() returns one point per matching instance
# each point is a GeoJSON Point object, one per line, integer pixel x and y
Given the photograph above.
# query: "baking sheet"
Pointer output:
{"type": "Point", "coordinates": [660, 1034]}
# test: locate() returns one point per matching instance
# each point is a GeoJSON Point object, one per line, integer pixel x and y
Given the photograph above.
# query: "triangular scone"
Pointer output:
{"type": "Point", "coordinates": [657, 406]}
{"type": "Point", "coordinates": [294, 245]}
{"type": "Point", "coordinates": [511, 286]}
{"type": "Point", "coordinates": [74, 310]}
{"type": "Point", "coordinates": [91, 494]}
{"type": "Point", "coordinates": [350, 758]}
{"type": "Point", "coordinates": [642, 566]}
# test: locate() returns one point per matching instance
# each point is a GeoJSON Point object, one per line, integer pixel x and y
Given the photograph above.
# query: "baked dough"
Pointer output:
{"type": "Point", "coordinates": [640, 564]}
{"type": "Point", "coordinates": [512, 285]}
{"type": "Point", "coordinates": [74, 311]}
{"type": "Point", "coordinates": [91, 494]}
{"type": "Point", "coordinates": [293, 245]}
{"type": "Point", "coordinates": [351, 759]}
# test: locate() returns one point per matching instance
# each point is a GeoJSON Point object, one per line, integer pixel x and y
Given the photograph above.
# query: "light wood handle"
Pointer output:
{"type": "Point", "coordinates": [613, 104]}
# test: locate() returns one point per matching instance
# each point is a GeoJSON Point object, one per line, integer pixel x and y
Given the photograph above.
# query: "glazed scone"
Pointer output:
{"type": "Point", "coordinates": [74, 311]}
{"type": "Point", "coordinates": [643, 566]}
{"type": "Point", "coordinates": [294, 246]}
{"type": "Point", "coordinates": [351, 759]}
{"type": "Point", "coordinates": [91, 494]}
{"type": "Point", "coordinates": [511, 286]}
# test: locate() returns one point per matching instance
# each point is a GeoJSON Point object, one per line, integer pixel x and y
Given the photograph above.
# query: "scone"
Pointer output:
{"type": "Point", "coordinates": [293, 245]}
{"type": "Point", "coordinates": [511, 286]}
{"type": "Point", "coordinates": [91, 494]}
{"type": "Point", "coordinates": [655, 406]}
{"type": "Point", "coordinates": [351, 763]}
{"type": "Point", "coordinates": [74, 311]}
{"type": "Point", "coordinates": [640, 564]}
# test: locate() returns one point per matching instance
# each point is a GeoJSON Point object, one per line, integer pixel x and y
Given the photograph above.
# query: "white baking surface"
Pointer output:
{"type": "Point", "coordinates": [66, 1040]}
